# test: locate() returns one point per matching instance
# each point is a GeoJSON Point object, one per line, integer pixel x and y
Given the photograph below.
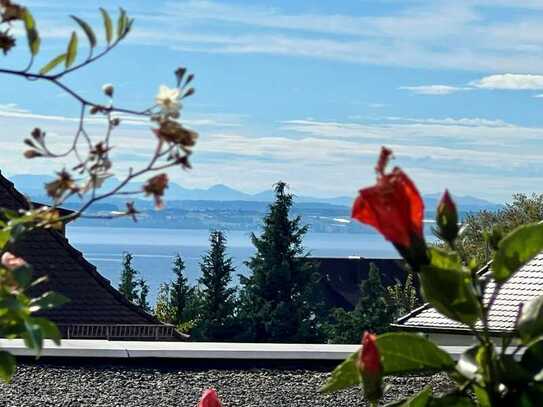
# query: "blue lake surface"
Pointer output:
{"type": "Point", "coordinates": [154, 249]}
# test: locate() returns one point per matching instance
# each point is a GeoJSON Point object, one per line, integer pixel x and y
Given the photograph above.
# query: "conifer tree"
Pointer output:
{"type": "Point", "coordinates": [162, 310]}
{"type": "Point", "coordinates": [278, 298]}
{"type": "Point", "coordinates": [218, 299]}
{"type": "Point", "coordinates": [143, 294]}
{"type": "Point", "coordinates": [128, 286]}
{"type": "Point", "coordinates": [373, 312]}
{"type": "Point", "coordinates": [180, 293]}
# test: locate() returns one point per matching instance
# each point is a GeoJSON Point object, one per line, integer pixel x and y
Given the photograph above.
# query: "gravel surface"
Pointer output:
{"type": "Point", "coordinates": [132, 385]}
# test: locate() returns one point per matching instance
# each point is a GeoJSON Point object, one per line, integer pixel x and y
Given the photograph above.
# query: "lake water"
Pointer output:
{"type": "Point", "coordinates": [154, 249]}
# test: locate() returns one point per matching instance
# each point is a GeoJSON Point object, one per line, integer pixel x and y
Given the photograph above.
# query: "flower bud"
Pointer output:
{"type": "Point", "coordinates": [32, 154]}
{"type": "Point", "coordinates": [371, 368]}
{"type": "Point", "coordinates": [11, 262]}
{"type": "Point", "coordinates": [209, 399]}
{"type": "Point", "coordinates": [108, 89]}
{"type": "Point", "coordinates": [447, 218]}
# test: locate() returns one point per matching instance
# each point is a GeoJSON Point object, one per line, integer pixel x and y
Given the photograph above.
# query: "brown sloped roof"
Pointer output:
{"type": "Point", "coordinates": [525, 284]}
{"type": "Point", "coordinates": [92, 298]}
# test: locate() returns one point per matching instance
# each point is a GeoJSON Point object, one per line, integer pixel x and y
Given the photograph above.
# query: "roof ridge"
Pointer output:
{"type": "Point", "coordinates": [10, 188]}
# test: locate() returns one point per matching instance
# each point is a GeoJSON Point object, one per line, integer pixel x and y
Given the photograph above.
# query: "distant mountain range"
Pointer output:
{"type": "Point", "coordinates": [33, 186]}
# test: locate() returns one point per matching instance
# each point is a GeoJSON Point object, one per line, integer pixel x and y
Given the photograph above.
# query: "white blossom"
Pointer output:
{"type": "Point", "coordinates": [168, 99]}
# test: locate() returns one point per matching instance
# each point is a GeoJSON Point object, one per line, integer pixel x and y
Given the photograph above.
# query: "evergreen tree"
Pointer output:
{"type": "Point", "coordinates": [403, 298]}
{"type": "Point", "coordinates": [278, 298]}
{"type": "Point", "coordinates": [180, 293]}
{"type": "Point", "coordinates": [128, 286]}
{"type": "Point", "coordinates": [217, 297]}
{"type": "Point", "coordinates": [142, 294]}
{"type": "Point", "coordinates": [163, 311]}
{"type": "Point", "coordinates": [372, 312]}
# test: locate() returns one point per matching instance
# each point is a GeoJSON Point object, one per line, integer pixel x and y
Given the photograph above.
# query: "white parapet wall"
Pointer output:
{"type": "Point", "coordinates": [183, 350]}
{"type": "Point", "coordinates": [81, 348]}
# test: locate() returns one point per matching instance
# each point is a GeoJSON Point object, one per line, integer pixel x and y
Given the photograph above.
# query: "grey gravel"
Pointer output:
{"type": "Point", "coordinates": [129, 385]}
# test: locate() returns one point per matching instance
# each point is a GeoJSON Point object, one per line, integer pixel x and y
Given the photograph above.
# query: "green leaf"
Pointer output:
{"type": "Point", "coordinates": [32, 335]}
{"type": "Point", "coordinates": [47, 301]}
{"type": "Point", "coordinates": [7, 366]}
{"type": "Point", "coordinates": [71, 52]}
{"type": "Point", "coordinates": [122, 23]}
{"type": "Point", "coordinates": [483, 399]}
{"type": "Point", "coordinates": [404, 353]}
{"type": "Point", "coordinates": [108, 25]}
{"type": "Point", "coordinates": [87, 29]}
{"type": "Point", "coordinates": [530, 323]}
{"type": "Point", "coordinates": [450, 400]}
{"type": "Point", "coordinates": [516, 249]}
{"type": "Point", "coordinates": [418, 400]}
{"type": "Point", "coordinates": [4, 238]}
{"type": "Point", "coordinates": [49, 329]}
{"type": "Point", "coordinates": [448, 286]}
{"type": "Point", "coordinates": [31, 32]}
{"type": "Point", "coordinates": [345, 375]}
{"type": "Point", "coordinates": [532, 360]}
{"type": "Point", "coordinates": [22, 275]}
{"type": "Point", "coordinates": [52, 64]}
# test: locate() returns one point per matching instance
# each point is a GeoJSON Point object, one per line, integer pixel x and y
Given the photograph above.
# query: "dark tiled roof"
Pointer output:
{"type": "Point", "coordinates": [340, 278]}
{"type": "Point", "coordinates": [92, 299]}
{"type": "Point", "coordinates": [525, 284]}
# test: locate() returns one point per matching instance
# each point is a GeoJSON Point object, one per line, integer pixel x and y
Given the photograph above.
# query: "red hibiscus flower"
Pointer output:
{"type": "Point", "coordinates": [209, 399]}
{"type": "Point", "coordinates": [393, 206]}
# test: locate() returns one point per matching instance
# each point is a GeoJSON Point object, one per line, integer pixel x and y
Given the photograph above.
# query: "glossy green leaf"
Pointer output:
{"type": "Point", "coordinates": [71, 52]}
{"type": "Point", "coordinates": [87, 29]}
{"type": "Point", "coordinates": [108, 25]}
{"type": "Point", "coordinates": [530, 323]}
{"type": "Point", "coordinates": [53, 64]}
{"type": "Point", "coordinates": [404, 353]}
{"type": "Point", "coordinates": [420, 399]}
{"type": "Point", "coordinates": [22, 275]}
{"type": "Point", "coordinates": [451, 400]}
{"type": "Point", "coordinates": [47, 301]}
{"type": "Point", "coordinates": [122, 22]}
{"type": "Point", "coordinates": [448, 286]}
{"type": "Point", "coordinates": [516, 249]}
{"type": "Point", "coordinates": [33, 336]}
{"type": "Point", "coordinates": [49, 329]}
{"type": "Point", "coordinates": [7, 366]}
{"type": "Point", "coordinates": [345, 375]}
{"type": "Point", "coordinates": [31, 32]}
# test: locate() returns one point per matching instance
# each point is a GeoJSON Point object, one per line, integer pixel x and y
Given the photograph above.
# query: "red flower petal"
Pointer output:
{"type": "Point", "coordinates": [394, 207]}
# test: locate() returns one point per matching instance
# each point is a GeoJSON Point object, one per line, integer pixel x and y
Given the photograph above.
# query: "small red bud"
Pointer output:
{"type": "Point", "coordinates": [371, 368]}
{"type": "Point", "coordinates": [447, 218]}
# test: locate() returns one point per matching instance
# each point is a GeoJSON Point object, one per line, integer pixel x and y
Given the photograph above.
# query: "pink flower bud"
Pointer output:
{"type": "Point", "coordinates": [11, 262]}
{"type": "Point", "coordinates": [209, 399]}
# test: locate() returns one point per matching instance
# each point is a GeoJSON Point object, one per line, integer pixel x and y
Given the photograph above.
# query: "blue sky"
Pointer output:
{"type": "Point", "coordinates": [307, 92]}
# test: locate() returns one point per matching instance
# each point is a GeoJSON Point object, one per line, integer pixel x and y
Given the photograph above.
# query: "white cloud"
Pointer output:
{"type": "Point", "coordinates": [437, 90]}
{"type": "Point", "coordinates": [509, 81]}
{"type": "Point", "coordinates": [433, 34]}
{"type": "Point", "coordinates": [328, 158]}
